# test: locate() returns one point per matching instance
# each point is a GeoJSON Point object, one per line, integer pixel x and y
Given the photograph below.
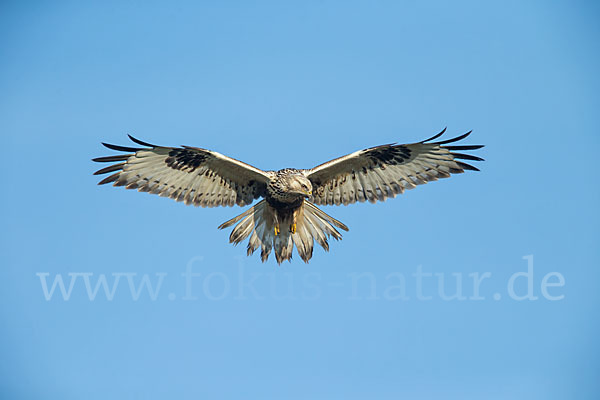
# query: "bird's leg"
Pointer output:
{"type": "Point", "coordinates": [293, 225]}
{"type": "Point", "coordinates": [276, 229]}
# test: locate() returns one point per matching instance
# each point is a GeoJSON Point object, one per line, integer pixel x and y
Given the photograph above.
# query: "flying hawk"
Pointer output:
{"type": "Point", "coordinates": [287, 215]}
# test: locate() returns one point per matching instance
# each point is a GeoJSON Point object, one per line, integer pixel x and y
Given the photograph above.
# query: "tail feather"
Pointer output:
{"type": "Point", "coordinates": [283, 246]}
{"type": "Point", "coordinates": [259, 223]}
{"type": "Point", "coordinates": [303, 239]}
{"type": "Point", "coordinates": [326, 217]}
{"type": "Point", "coordinates": [317, 233]}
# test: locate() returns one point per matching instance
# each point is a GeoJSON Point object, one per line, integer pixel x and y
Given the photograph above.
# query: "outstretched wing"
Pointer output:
{"type": "Point", "coordinates": [384, 171]}
{"type": "Point", "coordinates": [189, 174]}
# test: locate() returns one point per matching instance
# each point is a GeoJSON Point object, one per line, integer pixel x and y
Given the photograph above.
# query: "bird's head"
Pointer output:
{"type": "Point", "coordinates": [300, 184]}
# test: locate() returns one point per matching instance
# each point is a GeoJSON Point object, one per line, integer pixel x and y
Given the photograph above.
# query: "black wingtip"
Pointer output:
{"type": "Point", "coordinates": [119, 148]}
{"type": "Point", "coordinates": [462, 156]}
{"type": "Point", "coordinates": [141, 143]}
{"type": "Point", "coordinates": [436, 136]}
{"type": "Point", "coordinates": [465, 147]}
{"type": "Point", "coordinates": [109, 179]}
{"type": "Point", "coordinates": [122, 157]}
{"type": "Point", "coordinates": [466, 166]}
{"type": "Point", "coordinates": [110, 168]}
{"type": "Point", "coordinates": [456, 139]}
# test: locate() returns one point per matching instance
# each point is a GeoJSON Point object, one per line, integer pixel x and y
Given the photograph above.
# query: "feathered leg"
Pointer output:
{"type": "Point", "coordinates": [270, 229]}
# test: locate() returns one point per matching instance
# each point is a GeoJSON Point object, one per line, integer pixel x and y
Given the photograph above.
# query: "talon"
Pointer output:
{"type": "Point", "coordinates": [293, 228]}
{"type": "Point", "coordinates": [277, 230]}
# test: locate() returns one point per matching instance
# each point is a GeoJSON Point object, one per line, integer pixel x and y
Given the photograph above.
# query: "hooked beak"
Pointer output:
{"type": "Point", "coordinates": [308, 194]}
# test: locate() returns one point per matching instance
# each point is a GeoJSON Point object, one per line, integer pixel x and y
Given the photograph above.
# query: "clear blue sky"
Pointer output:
{"type": "Point", "coordinates": [293, 84]}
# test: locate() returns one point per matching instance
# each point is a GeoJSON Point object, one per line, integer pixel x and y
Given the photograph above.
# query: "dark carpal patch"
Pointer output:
{"type": "Point", "coordinates": [185, 160]}
{"type": "Point", "coordinates": [389, 154]}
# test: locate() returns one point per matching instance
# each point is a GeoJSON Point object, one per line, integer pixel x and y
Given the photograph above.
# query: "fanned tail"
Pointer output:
{"type": "Point", "coordinates": [259, 224]}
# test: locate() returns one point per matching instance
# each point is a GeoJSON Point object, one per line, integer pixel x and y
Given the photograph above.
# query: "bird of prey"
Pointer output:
{"type": "Point", "coordinates": [287, 215]}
